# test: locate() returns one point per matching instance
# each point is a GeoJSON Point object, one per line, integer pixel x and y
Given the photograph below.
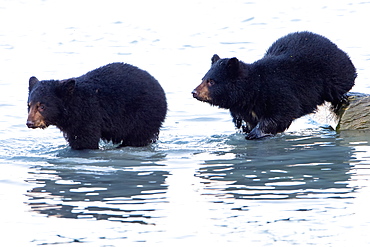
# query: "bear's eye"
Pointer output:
{"type": "Point", "coordinates": [211, 82]}
{"type": "Point", "coordinates": [41, 107]}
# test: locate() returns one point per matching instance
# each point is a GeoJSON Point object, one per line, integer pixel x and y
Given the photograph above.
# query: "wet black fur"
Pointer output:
{"type": "Point", "coordinates": [298, 72]}
{"type": "Point", "coordinates": [117, 102]}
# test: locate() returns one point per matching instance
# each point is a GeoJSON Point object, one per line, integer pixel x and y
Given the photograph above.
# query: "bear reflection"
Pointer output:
{"type": "Point", "coordinates": [312, 167]}
{"type": "Point", "coordinates": [121, 193]}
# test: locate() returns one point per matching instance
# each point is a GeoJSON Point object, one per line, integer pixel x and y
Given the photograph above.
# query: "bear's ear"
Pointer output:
{"type": "Point", "coordinates": [215, 58]}
{"type": "Point", "coordinates": [233, 65]}
{"type": "Point", "coordinates": [32, 82]}
{"type": "Point", "coordinates": [68, 85]}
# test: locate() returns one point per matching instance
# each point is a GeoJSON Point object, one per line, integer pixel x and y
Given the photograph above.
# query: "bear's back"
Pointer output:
{"type": "Point", "coordinates": [309, 64]}
{"type": "Point", "coordinates": [299, 45]}
{"type": "Point", "coordinates": [120, 81]}
{"type": "Point", "coordinates": [113, 74]}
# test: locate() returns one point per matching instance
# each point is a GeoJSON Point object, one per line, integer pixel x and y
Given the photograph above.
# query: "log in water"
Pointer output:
{"type": "Point", "coordinates": [355, 114]}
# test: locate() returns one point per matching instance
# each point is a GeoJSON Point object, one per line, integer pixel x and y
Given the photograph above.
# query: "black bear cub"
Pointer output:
{"type": "Point", "coordinates": [298, 72]}
{"type": "Point", "coordinates": [117, 102]}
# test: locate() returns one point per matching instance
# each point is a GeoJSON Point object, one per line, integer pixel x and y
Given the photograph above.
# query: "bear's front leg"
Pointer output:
{"type": "Point", "coordinates": [237, 120]}
{"type": "Point", "coordinates": [244, 122]}
{"type": "Point", "coordinates": [245, 126]}
{"type": "Point", "coordinates": [83, 140]}
{"type": "Point", "coordinates": [268, 127]}
{"type": "Point", "coordinates": [257, 133]}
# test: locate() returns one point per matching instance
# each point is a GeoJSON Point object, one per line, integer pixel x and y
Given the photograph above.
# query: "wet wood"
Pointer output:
{"type": "Point", "coordinates": [355, 114]}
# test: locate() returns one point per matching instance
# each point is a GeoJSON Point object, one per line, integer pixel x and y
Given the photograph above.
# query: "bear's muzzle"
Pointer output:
{"type": "Point", "coordinates": [202, 93]}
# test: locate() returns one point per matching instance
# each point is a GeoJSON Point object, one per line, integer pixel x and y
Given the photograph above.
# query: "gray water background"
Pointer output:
{"type": "Point", "coordinates": [202, 183]}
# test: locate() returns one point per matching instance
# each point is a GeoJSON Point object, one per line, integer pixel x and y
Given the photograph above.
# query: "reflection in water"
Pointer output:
{"type": "Point", "coordinates": [229, 187]}
{"type": "Point", "coordinates": [118, 190]}
{"type": "Point", "coordinates": [293, 168]}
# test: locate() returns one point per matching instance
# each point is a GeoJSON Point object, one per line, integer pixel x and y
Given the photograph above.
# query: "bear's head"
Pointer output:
{"type": "Point", "coordinates": [46, 101]}
{"type": "Point", "coordinates": [221, 83]}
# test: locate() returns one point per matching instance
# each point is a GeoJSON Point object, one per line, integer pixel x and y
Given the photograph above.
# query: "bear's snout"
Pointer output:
{"type": "Point", "coordinates": [38, 124]}
{"type": "Point", "coordinates": [31, 124]}
{"type": "Point", "coordinates": [202, 92]}
{"type": "Point", "coordinates": [195, 93]}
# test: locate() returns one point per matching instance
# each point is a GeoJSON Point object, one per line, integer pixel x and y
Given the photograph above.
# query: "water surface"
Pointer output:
{"type": "Point", "coordinates": [202, 183]}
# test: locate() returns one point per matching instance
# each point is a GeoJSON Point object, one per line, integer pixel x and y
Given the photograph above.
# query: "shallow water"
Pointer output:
{"type": "Point", "coordinates": [202, 183]}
